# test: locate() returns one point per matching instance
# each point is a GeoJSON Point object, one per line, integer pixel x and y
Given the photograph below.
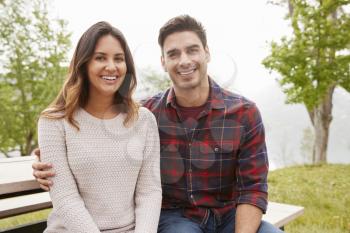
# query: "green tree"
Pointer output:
{"type": "Point", "coordinates": [314, 61]}
{"type": "Point", "coordinates": [153, 81]}
{"type": "Point", "coordinates": [33, 49]}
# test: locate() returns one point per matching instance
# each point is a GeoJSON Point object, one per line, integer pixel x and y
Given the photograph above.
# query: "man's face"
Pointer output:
{"type": "Point", "coordinates": [185, 59]}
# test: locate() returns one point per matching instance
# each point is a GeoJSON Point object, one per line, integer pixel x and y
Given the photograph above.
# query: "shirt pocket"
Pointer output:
{"type": "Point", "coordinates": [214, 166]}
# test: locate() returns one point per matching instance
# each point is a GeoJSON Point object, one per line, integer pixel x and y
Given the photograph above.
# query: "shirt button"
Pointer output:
{"type": "Point", "coordinates": [189, 144]}
{"type": "Point", "coordinates": [191, 196]}
{"type": "Point", "coordinates": [216, 149]}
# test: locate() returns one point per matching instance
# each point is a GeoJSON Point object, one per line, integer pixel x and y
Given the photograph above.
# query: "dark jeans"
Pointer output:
{"type": "Point", "coordinates": [172, 221]}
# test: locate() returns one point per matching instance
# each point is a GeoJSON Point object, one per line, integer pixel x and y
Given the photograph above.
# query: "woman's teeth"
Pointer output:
{"type": "Point", "coordinates": [110, 78]}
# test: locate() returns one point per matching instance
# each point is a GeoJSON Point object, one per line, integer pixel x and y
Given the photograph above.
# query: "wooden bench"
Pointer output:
{"type": "Point", "coordinates": [16, 175]}
{"type": "Point", "coordinates": [280, 214]}
{"type": "Point", "coordinates": [23, 204]}
{"type": "Point", "coordinates": [14, 201]}
{"type": "Point", "coordinates": [277, 214]}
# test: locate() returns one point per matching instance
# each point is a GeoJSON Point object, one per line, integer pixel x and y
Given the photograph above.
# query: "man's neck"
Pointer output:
{"type": "Point", "coordinates": [192, 97]}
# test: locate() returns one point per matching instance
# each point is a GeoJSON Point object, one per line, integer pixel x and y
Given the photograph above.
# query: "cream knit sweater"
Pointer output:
{"type": "Point", "coordinates": [107, 175]}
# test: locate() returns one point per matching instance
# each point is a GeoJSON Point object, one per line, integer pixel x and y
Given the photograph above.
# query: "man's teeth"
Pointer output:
{"type": "Point", "coordinates": [186, 72]}
{"type": "Point", "coordinates": [109, 77]}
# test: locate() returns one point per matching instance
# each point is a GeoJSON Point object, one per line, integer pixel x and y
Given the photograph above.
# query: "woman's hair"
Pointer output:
{"type": "Point", "coordinates": [75, 90]}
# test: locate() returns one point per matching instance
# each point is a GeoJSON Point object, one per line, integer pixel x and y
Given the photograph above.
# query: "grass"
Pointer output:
{"type": "Point", "coordinates": [24, 219]}
{"type": "Point", "coordinates": [324, 191]}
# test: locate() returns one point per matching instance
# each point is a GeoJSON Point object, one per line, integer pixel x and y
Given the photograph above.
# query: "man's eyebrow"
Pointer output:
{"type": "Point", "coordinates": [171, 51]}
{"type": "Point", "coordinates": [193, 46]}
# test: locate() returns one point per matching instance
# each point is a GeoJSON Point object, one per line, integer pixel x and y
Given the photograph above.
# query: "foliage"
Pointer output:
{"type": "Point", "coordinates": [153, 82]}
{"type": "Point", "coordinates": [33, 48]}
{"type": "Point", "coordinates": [317, 55]}
{"type": "Point", "coordinates": [323, 191]}
{"type": "Point", "coordinates": [314, 61]}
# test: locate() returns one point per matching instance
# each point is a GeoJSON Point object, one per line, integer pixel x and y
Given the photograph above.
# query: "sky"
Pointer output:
{"type": "Point", "coordinates": [238, 32]}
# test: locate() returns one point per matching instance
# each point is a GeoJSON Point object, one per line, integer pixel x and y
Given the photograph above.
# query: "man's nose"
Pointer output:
{"type": "Point", "coordinates": [184, 59]}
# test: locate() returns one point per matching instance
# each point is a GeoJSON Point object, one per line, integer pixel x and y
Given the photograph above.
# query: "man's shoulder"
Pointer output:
{"type": "Point", "coordinates": [235, 99]}
{"type": "Point", "coordinates": [154, 101]}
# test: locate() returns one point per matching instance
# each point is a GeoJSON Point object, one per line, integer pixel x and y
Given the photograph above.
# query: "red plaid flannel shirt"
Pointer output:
{"type": "Point", "coordinates": [217, 165]}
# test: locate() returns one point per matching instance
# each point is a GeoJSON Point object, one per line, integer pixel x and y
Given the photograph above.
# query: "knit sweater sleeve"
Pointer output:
{"type": "Point", "coordinates": [64, 193]}
{"type": "Point", "coordinates": [148, 195]}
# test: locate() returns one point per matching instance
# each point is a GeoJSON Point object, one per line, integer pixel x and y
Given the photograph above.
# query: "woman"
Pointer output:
{"type": "Point", "coordinates": [104, 148]}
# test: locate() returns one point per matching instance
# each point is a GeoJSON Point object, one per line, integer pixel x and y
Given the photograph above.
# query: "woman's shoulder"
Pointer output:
{"type": "Point", "coordinates": [52, 118]}
{"type": "Point", "coordinates": [51, 113]}
{"type": "Point", "coordinates": [145, 114]}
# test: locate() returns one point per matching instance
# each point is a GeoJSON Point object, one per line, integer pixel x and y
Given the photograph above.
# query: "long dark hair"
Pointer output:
{"type": "Point", "coordinates": [75, 91]}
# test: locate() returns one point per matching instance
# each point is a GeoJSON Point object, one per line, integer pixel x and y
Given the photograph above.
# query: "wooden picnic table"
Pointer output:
{"type": "Point", "coordinates": [16, 175]}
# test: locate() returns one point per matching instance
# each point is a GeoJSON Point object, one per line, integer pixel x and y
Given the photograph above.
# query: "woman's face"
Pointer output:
{"type": "Point", "coordinates": [107, 67]}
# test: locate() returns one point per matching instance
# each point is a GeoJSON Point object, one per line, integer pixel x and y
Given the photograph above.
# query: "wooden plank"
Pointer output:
{"type": "Point", "coordinates": [277, 214]}
{"type": "Point", "coordinates": [280, 214]}
{"type": "Point", "coordinates": [23, 204]}
{"type": "Point", "coordinates": [16, 175]}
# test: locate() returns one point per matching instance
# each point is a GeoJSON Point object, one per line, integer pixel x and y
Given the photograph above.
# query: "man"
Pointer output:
{"type": "Point", "coordinates": [213, 154]}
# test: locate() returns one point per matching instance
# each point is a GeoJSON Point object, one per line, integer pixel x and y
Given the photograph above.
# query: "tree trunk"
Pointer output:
{"type": "Point", "coordinates": [321, 117]}
{"type": "Point", "coordinates": [29, 144]}
{"type": "Point", "coordinates": [5, 153]}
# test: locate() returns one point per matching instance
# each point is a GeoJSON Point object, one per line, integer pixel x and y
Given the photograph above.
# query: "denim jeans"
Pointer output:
{"type": "Point", "coordinates": [172, 221]}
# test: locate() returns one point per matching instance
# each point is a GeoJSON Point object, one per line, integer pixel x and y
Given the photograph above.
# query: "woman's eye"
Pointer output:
{"type": "Point", "coordinates": [119, 59]}
{"type": "Point", "coordinates": [99, 58]}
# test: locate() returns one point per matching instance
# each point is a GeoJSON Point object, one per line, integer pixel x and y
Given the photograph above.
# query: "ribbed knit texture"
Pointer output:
{"type": "Point", "coordinates": [107, 175]}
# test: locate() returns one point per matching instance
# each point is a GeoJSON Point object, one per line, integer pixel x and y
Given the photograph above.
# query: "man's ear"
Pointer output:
{"type": "Point", "coordinates": [163, 63]}
{"type": "Point", "coordinates": [207, 53]}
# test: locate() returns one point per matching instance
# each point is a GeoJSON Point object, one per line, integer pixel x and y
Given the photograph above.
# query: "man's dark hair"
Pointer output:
{"type": "Point", "coordinates": [182, 23]}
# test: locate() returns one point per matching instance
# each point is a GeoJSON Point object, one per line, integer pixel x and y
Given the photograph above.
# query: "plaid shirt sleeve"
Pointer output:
{"type": "Point", "coordinates": [252, 167]}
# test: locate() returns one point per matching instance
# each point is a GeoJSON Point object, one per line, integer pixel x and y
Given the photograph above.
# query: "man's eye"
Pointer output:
{"type": "Point", "coordinates": [193, 50]}
{"type": "Point", "coordinates": [172, 55]}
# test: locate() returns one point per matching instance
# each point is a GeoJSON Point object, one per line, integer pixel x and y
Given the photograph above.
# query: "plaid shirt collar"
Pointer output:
{"type": "Point", "coordinates": [215, 99]}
